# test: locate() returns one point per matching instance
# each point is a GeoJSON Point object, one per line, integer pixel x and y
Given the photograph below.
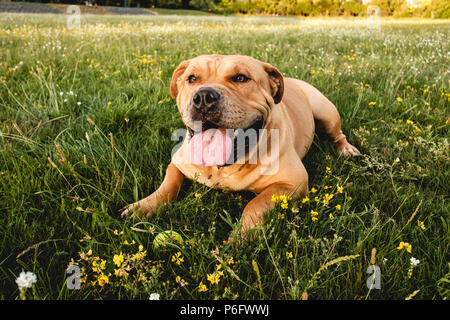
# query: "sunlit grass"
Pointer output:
{"type": "Point", "coordinates": [85, 128]}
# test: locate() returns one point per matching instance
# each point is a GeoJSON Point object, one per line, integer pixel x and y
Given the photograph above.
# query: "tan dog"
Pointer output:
{"type": "Point", "coordinates": [239, 92]}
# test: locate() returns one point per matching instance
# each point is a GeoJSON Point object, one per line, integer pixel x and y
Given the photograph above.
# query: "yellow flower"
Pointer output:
{"type": "Point", "coordinates": [142, 278]}
{"type": "Point", "coordinates": [404, 245]}
{"type": "Point", "coordinates": [328, 170]}
{"type": "Point", "coordinates": [102, 280]}
{"type": "Point", "coordinates": [202, 287]}
{"type": "Point", "coordinates": [372, 103]}
{"type": "Point", "coordinates": [141, 247]}
{"type": "Point", "coordinates": [218, 266]}
{"type": "Point", "coordinates": [231, 260]}
{"type": "Point", "coordinates": [313, 190]}
{"type": "Point", "coordinates": [289, 254]}
{"type": "Point", "coordinates": [284, 205]}
{"type": "Point", "coordinates": [314, 215]}
{"type": "Point", "coordinates": [120, 273]}
{"type": "Point", "coordinates": [327, 198]}
{"type": "Point", "coordinates": [331, 217]}
{"type": "Point", "coordinates": [305, 200]}
{"type": "Point", "coordinates": [118, 259]}
{"type": "Point", "coordinates": [275, 198]}
{"type": "Point", "coordinates": [338, 207]}
{"type": "Point", "coordinates": [197, 195]}
{"type": "Point", "coordinates": [98, 267]}
{"type": "Point", "coordinates": [89, 253]}
{"type": "Point", "coordinates": [177, 258]}
{"type": "Point", "coordinates": [340, 189]}
{"type": "Point", "coordinates": [95, 268]}
{"type": "Point", "coordinates": [139, 256]}
{"type": "Point", "coordinates": [421, 224]}
{"type": "Point", "coordinates": [214, 278]}
{"type": "Point", "coordinates": [399, 99]}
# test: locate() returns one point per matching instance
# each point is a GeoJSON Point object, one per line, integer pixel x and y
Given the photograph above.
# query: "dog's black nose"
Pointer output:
{"type": "Point", "coordinates": [205, 98]}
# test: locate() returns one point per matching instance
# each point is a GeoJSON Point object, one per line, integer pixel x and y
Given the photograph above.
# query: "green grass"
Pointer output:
{"type": "Point", "coordinates": [116, 72]}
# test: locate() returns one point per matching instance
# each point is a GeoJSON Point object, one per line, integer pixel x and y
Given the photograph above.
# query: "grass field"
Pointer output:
{"type": "Point", "coordinates": [85, 124]}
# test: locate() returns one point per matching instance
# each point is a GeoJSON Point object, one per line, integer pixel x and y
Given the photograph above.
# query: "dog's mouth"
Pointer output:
{"type": "Point", "coordinates": [217, 146]}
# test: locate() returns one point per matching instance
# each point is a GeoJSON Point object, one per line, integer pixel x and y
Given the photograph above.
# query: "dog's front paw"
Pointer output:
{"type": "Point", "coordinates": [127, 211]}
{"type": "Point", "coordinates": [349, 151]}
{"type": "Point", "coordinates": [137, 209]}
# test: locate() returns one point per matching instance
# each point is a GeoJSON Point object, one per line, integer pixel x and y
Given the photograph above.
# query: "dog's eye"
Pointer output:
{"type": "Point", "coordinates": [192, 78]}
{"type": "Point", "coordinates": [240, 78]}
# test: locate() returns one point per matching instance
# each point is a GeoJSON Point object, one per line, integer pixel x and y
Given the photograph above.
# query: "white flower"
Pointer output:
{"type": "Point", "coordinates": [26, 279]}
{"type": "Point", "coordinates": [20, 63]}
{"type": "Point", "coordinates": [79, 103]}
{"type": "Point", "coordinates": [414, 261]}
{"type": "Point", "coordinates": [397, 160]}
{"type": "Point", "coordinates": [61, 93]}
{"type": "Point", "coordinates": [154, 296]}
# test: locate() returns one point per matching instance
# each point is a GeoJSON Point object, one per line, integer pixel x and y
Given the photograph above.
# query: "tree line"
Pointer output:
{"type": "Point", "coordinates": [396, 8]}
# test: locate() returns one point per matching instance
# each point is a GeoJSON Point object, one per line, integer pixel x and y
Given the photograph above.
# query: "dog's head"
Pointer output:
{"type": "Point", "coordinates": [225, 92]}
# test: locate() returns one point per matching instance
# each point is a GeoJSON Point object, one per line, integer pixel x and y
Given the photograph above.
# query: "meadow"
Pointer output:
{"type": "Point", "coordinates": [85, 128]}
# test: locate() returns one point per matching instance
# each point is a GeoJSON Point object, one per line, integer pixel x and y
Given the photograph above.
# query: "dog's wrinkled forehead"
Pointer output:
{"type": "Point", "coordinates": [223, 69]}
{"type": "Point", "coordinates": [210, 68]}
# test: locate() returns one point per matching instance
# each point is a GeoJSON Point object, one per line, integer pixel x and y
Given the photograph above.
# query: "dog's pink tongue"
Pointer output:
{"type": "Point", "coordinates": [211, 147]}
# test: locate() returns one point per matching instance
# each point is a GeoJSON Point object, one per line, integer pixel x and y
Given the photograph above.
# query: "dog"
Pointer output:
{"type": "Point", "coordinates": [221, 97]}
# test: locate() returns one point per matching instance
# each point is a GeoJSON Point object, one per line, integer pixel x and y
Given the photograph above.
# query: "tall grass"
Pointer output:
{"type": "Point", "coordinates": [85, 124]}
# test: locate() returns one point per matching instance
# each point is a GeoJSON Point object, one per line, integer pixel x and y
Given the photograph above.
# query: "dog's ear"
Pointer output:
{"type": "Point", "coordinates": [176, 76]}
{"type": "Point", "coordinates": [276, 82]}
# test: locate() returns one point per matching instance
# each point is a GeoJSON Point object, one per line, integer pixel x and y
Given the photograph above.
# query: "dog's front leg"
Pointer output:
{"type": "Point", "coordinates": [166, 193]}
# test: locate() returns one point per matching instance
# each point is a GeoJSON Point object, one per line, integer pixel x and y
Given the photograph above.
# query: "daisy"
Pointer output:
{"type": "Point", "coordinates": [26, 279]}
{"type": "Point", "coordinates": [154, 296]}
{"type": "Point", "coordinates": [414, 262]}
